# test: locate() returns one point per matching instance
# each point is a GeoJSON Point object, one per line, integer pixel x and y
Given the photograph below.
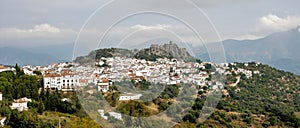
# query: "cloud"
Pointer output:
{"type": "Point", "coordinates": [143, 27]}
{"type": "Point", "coordinates": [133, 35]}
{"type": "Point", "coordinates": [137, 34]}
{"type": "Point", "coordinates": [185, 4]}
{"type": "Point", "coordinates": [245, 37]}
{"type": "Point", "coordinates": [276, 23]}
{"type": "Point", "coordinates": [40, 34]}
{"type": "Point", "coordinates": [40, 30]}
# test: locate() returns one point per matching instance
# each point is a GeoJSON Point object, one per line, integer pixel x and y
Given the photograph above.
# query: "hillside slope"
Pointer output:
{"type": "Point", "coordinates": [170, 50]}
{"type": "Point", "coordinates": [280, 50]}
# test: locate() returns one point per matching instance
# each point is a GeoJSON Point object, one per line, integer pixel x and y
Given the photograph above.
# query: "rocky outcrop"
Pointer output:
{"type": "Point", "coordinates": [169, 50]}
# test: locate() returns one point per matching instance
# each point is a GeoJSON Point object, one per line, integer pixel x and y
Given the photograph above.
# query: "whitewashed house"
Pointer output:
{"type": "Point", "coordinates": [64, 82]}
{"type": "Point", "coordinates": [20, 104]}
{"type": "Point", "coordinates": [28, 70]}
{"type": "Point", "coordinates": [65, 99]}
{"type": "Point", "coordinates": [103, 85]}
{"type": "Point", "coordinates": [2, 121]}
{"type": "Point", "coordinates": [130, 96]}
{"type": "Point", "coordinates": [102, 114]}
{"type": "Point", "coordinates": [115, 115]}
{"type": "Point", "coordinates": [3, 68]}
{"type": "Point", "coordinates": [172, 82]}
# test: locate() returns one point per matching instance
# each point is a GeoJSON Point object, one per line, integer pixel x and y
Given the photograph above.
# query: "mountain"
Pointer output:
{"type": "Point", "coordinates": [280, 50]}
{"type": "Point", "coordinates": [11, 56]}
{"type": "Point", "coordinates": [41, 55]}
{"type": "Point", "coordinates": [63, 52]}
{"type": "Point", "coordinates": [267, 99]}
{"type": "Point", "coordinates": [170, 50]}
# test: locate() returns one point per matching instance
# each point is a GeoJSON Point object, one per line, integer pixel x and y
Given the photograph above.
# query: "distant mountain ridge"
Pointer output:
{"type": "Point", "coordinates": [280, 50]}
{"type": "Point", "coordinates": [11, 56]}
{"type": "Point", "coordinates": [38, 55]}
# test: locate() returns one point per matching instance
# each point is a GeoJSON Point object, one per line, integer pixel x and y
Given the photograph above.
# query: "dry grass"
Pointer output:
{"type": "Point", "coordinates": [297, 114]}
{"type": "Point", "coordinates": [68, 120]}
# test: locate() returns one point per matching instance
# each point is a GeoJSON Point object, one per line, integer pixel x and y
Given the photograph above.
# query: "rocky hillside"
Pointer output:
{"type": "Point", "coordinates": [169, 50]}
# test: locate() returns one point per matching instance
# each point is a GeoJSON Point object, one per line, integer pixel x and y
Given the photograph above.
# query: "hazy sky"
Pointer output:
{"type": "Point", "coordinates": [27, 23]}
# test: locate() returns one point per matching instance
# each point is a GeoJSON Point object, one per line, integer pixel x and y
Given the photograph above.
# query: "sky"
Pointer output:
{"type": "Point", "coordinates": [128, 23]}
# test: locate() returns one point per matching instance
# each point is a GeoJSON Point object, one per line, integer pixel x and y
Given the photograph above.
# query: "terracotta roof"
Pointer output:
{"type": "Point", "coordinates": [131, 75]}
{"type": "Point", "coordinates": [2, 67]}
{"type": "Point", "coordinates": [66, 71]}
{"type": "Point", "coordinates": [66, 74]}
{"type": "Point", "coordinates": [104, 80]}
{"type": "Point", "coordinates": [21, 100]}
{"type": "Point", "coordinates": [52, 75]}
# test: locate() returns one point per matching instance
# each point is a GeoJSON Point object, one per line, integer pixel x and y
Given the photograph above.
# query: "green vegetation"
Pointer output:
{"type": "Point", "coordinates": [145, 54]}
{"type": "Point", "coordinates": [107, 52]}
{"type": "Point", "coordinates": [37, 72]}
{"type": "Point", "coordinates": [143, 84]}
{"type": "Point", "coordinates": [15, 85]}
{"type": "Point", "coordinates": [141, 109]}
{"type": "Point", "coordinates": [268, 99]}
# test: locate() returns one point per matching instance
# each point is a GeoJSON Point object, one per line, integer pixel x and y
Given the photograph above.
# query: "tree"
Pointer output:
{"type": "Point", "coordinates": [273, 120]}
{"type": "Point", "coordinates": [19, 72]}
{"type": "Point", "coordinates": [37, 72]}
{"type": "Point", "coordinates": [198, 61]}
{"type": "Point", "coordinates": [189, 118]}
{"type": "Point", "coordinates": [14, 119]}
{"type": "Point", "coordinates": [41, 107]}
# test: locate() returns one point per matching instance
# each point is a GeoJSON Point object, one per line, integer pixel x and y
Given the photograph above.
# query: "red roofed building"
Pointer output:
{"type": "Point", "coordinates": [20, 104]}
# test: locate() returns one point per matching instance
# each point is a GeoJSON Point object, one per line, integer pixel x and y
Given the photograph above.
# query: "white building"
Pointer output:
{"type": "Point", "coordinates": [130, 96]}
{"type": "Point", "coordinates": [172, 82]}
{"type": "Point", "coordinates": [101, 112]}
{"type": "Point", "coordinates": [103, 85]}
{"type": "Point", "coordinates": [28, 70]}
{"type": "Point", "coordinates": [65, 99]}
{"type": "Point", "coordinates": [20, 104]}
{"type": "Point", "coordinates": [115, 115]}
{"type": "Point", "coordinates": [63, 82]}
{"type": "Point", "coordinates": [3, 68]}
{"type": "Point", "coordinates": [0, 96]}
{"type": "Point", "coordinates": [2, 121]}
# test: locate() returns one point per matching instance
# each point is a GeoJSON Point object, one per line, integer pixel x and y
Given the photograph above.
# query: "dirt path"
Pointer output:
{"type": "Point", "coordinates": [237, 81]}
